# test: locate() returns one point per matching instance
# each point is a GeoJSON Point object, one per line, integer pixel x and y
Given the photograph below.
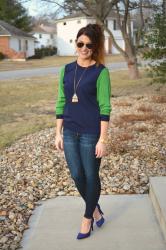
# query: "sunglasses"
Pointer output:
{"type": "Point", "coordinates": [88, 45]}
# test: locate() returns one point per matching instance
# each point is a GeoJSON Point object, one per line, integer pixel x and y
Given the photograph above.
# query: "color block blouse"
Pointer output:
{"type": "Point", "coordinates": [94, 93]}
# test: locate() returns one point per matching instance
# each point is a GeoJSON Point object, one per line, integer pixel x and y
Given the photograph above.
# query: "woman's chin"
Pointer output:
{"type": "Point", "coordinates": [84, 56]}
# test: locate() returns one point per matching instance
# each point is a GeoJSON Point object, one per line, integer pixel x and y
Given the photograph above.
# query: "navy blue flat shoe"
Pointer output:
{"type": "Point", "coordinates": [100, 222]}
{"type": "Point", "coordinates": [83, 236]}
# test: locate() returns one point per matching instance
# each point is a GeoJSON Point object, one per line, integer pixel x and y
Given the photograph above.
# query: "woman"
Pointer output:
{"type": "Point", "coordinates": [83, 110]}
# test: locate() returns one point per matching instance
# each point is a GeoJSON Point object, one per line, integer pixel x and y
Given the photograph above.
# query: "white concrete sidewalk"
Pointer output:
{"type": "Point", "coordinates": [131, 224]}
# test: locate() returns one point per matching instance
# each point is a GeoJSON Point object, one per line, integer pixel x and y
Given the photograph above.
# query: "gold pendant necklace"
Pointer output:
{"type": "Point", "coordinates": [75, 97]}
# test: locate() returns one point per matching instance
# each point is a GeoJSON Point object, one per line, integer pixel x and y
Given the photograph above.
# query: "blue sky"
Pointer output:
{"type": "Point", "coordinates": [37, 7]}
{"type": "Point", "coordinates": [31, 6]}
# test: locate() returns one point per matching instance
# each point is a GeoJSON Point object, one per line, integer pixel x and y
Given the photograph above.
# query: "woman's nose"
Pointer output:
{"type": "Point", "coordinates": [84, 47]}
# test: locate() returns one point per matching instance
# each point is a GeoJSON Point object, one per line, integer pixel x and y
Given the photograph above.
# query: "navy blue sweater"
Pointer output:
{"type": "Point", "coordinates": [93, 91]}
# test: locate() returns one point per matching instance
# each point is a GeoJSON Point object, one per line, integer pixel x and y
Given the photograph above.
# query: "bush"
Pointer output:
{"type": "Point", "coordinates": [156, 49]}
{"type": "Point", "coordinates": [42, 52]}
{"type": "Point", "coordinates": [2, 56]}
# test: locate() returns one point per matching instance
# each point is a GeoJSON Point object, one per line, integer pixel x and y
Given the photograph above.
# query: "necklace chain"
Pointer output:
{"type": "Point", "coordinates": [75, 97]}
{"type": "Point", "coordinates": [75, 86]}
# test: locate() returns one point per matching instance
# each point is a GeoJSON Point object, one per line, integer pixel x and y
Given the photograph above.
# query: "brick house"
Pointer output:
{"type": "Point", "coordinates": [15, 44]}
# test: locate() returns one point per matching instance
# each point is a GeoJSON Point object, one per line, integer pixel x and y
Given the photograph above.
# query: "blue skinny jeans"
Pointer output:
{"type": "Point", "coordinates": [79, 150]}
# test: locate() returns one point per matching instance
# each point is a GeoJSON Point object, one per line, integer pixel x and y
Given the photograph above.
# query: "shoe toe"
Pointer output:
{"type": "Point", "coordinates": [100, 222]}
{"type": "Point", "coordinates": [82, 236]}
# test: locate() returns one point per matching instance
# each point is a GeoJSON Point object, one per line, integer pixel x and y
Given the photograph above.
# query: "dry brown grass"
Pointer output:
{"type": "Point", "coordinates": [158, 99]}
{"type": "Point", "coordinates": [49, 61]}
{"type": "Point", "coordinates": [123, 103]}
{"type": "Point", "coordinates": [118, 143]}
{"type": "Point", "coordinates": [124, 136]}
{"type": "Point", "coordinates": [123, 86]}
{"type": "Point", "coordinates": [132, 118]}
{"type": "Point", "coordinates": [144, 108]}
{"type": "Point", "coordinates": [140, 129]}
{"type": "Point", "coordinates": [26, 106]}
{"type": "Point", "coordinates": [119, 140]}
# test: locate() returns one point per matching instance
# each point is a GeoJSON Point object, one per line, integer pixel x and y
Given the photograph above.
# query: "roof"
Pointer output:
{"type": "Point", "coordinates": [7, 29]}
{"type": "Point", "coordinates": [111, 15]}
{"type": "Point", "coordinates": [44, 29]}
{"type": "Point", "coordinates": [38, 29]}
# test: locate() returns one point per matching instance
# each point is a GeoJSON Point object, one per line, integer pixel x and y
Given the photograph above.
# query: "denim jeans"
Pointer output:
{"type": "Point", "coordinates": [79, 150]}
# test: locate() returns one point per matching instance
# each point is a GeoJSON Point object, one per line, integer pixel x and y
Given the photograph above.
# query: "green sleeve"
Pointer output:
{"type": "Point", "coordinates": [60, 103]}
{"type": "Point", "coordinates": [104, 94]}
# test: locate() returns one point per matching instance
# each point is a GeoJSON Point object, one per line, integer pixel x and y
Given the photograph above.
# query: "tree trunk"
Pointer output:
{"type": "Point", "coordinates": [131, 58]}
{"type": "Point", "coordinates": [133, 68]}
{"type": "Point", "coordinates": [129, 53]}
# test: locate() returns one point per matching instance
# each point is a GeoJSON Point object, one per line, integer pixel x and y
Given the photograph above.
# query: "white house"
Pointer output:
{"type": "Point", "coordinates": [68, 27]}
{"type": "Point", "coordinates": [15, 43]}
{"type": "Point", "coordinates": [45, 36]}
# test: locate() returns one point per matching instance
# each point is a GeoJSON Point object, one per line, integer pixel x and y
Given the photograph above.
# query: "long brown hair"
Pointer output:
{"type": "Point", "coordinates": [95, 34]}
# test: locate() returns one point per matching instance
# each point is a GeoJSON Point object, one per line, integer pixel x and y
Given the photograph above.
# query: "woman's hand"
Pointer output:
{"type": "Point", "coordinates": [59, 142]}
{"type": "Point", "coordinates": [101, 149]}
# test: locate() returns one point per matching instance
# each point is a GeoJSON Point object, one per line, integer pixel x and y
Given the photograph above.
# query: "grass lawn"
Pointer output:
{"type": "Point", "coordinates": [51, 61]}
{"type": "Point", "coordinates": [28, 105]}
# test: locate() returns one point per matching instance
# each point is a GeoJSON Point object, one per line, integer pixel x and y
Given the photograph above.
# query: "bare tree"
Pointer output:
{"type": "Point", "coordinates": [143, 13]}
{"type": "Point", "coordinates": [100, 10]}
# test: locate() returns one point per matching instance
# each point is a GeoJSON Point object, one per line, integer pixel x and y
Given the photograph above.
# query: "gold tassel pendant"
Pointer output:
{"type": "Point", "coordinates": [75, 98]}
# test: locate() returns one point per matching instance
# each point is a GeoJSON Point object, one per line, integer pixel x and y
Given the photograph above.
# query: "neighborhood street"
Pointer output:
{"type": "Point", "coordinates": [48, 71]}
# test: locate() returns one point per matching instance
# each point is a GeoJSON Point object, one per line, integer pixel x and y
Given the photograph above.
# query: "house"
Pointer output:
{"type": "Point", "coordinates": [45, 35]}
{"type": "Point", "coordinates": [14, 43]}
{"type": "Point", "coordinates": [68, 27]}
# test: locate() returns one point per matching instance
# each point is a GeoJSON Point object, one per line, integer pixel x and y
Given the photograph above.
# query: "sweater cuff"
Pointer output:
{"type": "Point", "coordinates": [59, 116]}
{"type": "Point", "coordinates": [104, 117]}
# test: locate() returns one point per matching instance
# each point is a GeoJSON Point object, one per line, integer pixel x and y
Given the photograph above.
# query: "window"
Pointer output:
{"type": "Point", "coordinates": [114, 24]}
{"type": "Point", "coordinates": [26, 44]}
{"type": "Point", "coordinates": [64, 23]}
{"type": "Point", "coordinates": [106, 22]}
{"type": "Point", "coordinates": [19, 45]}
{"type": "Point", "coordinates": [40, 35]}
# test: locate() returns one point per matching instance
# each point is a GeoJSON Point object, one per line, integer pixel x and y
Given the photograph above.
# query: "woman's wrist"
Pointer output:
{"type": "Point", "coordinates": [58, 133]}
{"type": "Point", "coordinates": [103, 140]}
